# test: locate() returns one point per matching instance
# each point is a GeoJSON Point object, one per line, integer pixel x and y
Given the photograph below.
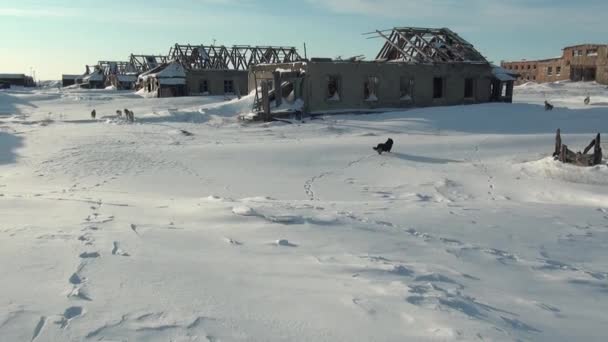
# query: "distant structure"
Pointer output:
{"type": "Point", "coordinates": [19, 80]}
{"type": "Point", "coordinates": [211, 69]}
{"type": "Point", "coordinates": [143, 63]}
{"type": "Point", "coordinates": [121, 75]}
{"type": "Point", "coordinates": [416, 67]}
{"type": "Point", "coordinates": [586, 62]}
{"type": "Point", "coordinates": [68, 80]}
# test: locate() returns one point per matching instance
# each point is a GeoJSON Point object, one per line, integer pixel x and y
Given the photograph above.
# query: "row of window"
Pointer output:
{"type": "Point", "coordinates": [406, 88]}
{"type": "Point", "coordinates": [203, 86]}
{"type": "Point", "coordinates": [516, 67]}
{"type": "Point", "coordinates": [558, 71]}
{"type": "Point", "coordinates": [589, 52]}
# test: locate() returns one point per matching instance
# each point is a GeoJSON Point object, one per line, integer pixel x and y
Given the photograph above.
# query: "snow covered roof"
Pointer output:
{"type": "Point", "coordinates": [95, 77]}
{"type": "Point", "coordinates": [503, 74]}
{"type": "Point", "coordinates": [167, 73]}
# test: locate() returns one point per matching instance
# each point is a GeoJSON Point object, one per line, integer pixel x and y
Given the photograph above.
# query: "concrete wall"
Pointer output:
{"type": "Point", "coordinates": [215, 80]}
{"type": "Point", "coordinates": [352, 78]}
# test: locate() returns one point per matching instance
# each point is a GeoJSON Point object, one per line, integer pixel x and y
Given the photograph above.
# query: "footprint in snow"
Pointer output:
{"type": "Point", "coordinates": [233, 242]}
{"type": "Point", "coordinates": [284, 243]}
{"type": "Point", "coordinates": [116, 250]}
{"type": "Point", "coordinates": [69, 314]}
{"type": "Point", "coordinates": [91, 255]}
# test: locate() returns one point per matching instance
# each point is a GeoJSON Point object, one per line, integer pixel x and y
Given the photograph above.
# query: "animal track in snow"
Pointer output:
{"type": "Point", "coordinates": [38, 328]}
{"type": "Point", "coordinates": [284, 243]}
{"type": "Point", "coordinates": [89, 255]}
{"type": "Point", "coordinates": [117, 251]}
{"type": "Point", "coordinates": [70, 314]}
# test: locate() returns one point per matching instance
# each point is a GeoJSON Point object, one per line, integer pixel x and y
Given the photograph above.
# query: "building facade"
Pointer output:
{"type": "Point", "coordinates": [587, 62]}
{"type": "Point", "coordinates": [439, 69]}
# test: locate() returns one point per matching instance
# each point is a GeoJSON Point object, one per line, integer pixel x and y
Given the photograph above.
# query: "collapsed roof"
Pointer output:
{"type": "Point", "coordinates": [116, 68]}
{"type": "Point", "coordinates": [237, 57]}
{"type": "Point", "coordinates": [426, 45]}
{"type": "Point", "coordinates": [143, 63]}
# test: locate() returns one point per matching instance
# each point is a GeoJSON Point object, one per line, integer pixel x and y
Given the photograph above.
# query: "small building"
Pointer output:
{"type": "Point", "coordinates": [68, 80]}
{"type": "Point", "coordinates": [416, 67]}
{"type": "Point", "coordinates": [93, 80]}
{"type": "Point", "coordinates": [586, 62]}
{"type": "Point", "coordinates": [222, 70]}
{"type": "Point", "coordinates": [166, 80]}
{"type": "Point", "coordinates": [19, 80]}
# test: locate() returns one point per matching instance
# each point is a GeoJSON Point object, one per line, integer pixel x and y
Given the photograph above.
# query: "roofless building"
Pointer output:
{"type": "Point", "coordinates": [416, 67]}
{"type": "Point", "coordinates": [214, 70]}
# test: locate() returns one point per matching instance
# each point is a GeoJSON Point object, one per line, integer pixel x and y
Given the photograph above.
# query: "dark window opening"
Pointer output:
{"type": "Point", "coordinates": [228, 87]}
{"type": "Point", "coordinates": [203, 86]}
{"type": "Point", "coordinates": [407, 89]}
{"type": "Point", "coordinates": [549, 71]}
{"type": "Point", "coordinates": [333, 88]}
{"type": "Point", "coordinates": [370, 89]}
{"type": "Point", "coordinates": [558, 71]}
{"type": "Point", "coordinates": [469, 88]}
{"type": "Point", "coordinates": [437, 87]}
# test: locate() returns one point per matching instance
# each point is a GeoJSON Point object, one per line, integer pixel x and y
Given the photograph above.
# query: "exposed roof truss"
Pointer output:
{"type": "Point", "coordinates": [238, 57]}
{"type": "Point", "coordinates": [143, 63]}
{"type": "Point", "coordinates": [426, 45]}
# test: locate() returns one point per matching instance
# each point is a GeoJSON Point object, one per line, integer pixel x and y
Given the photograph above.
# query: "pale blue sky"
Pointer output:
{"type": "Point", "coordinates": [61, 36]}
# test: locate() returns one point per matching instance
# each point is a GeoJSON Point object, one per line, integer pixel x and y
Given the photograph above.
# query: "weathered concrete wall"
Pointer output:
{"type": "Point", "coordinates": [353, 76]}
{"type": "Point", "coordinates": [215, 80]}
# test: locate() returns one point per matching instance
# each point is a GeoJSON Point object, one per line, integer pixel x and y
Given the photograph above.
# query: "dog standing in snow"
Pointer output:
{"type": "Point", "coordinates": [93, 114]}
{"type": "Point", "coordinates": [386, 147]}
{"type": "Point", "coordinates": [548, 106]}
{"type": "Point", "coordinates": [119, 113]}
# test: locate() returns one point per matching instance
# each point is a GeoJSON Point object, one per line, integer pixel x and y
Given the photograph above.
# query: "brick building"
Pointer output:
{"type": "Point", "coordinates": [587, 62]}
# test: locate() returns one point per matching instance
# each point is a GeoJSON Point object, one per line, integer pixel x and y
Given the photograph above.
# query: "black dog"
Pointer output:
{"type": "Point", "coordinates": [386, 147]}
{"type": "Point", "coordinates": [548, 106]}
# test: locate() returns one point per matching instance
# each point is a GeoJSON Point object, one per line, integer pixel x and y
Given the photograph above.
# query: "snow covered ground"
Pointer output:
{"type": "Point", "coordinates": [191, 226]}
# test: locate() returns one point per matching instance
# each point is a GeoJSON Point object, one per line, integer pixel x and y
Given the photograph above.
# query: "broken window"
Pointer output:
{"type": "Point", "coordinates": [203, 87]}
{"type": "Point", "coordinates": [437, 87]}
{"type": "Point", "coordinates": [534, 66]}
{"type": "Point", "coordinates": [528, 67]}
{"type": "Point", "coordinates": [333, 88]}
{"type": "Point", "coordinates": [549, 71]}
{"type": "Point", "coordinates": [592, 52]}
{"type": "Point", "coordinates": [558, 71]}
{"type": "Point", "coordinates": [407, 89]}
{"type": "Point", "coordinates": [469, 88]}
{"type": "Point", "coordinates": [228, 87]}
{"type": "Point", "coordinates": [516, 67]}
{"type": "Point", "coordinates": [370, 88]}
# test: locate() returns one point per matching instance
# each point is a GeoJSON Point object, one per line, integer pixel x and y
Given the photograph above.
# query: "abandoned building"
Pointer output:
{"type": "Point", "coordinates": [68, 80]}
{"type": "Point", "coordinates": [166, 80]}
{"type": "Point", "coordinates": [143, 63]}
{"type": "Point", "coordinates": [93, 79]}
{"type": "Point", "coordinates": [121, 75]}
{"type": "Point", "coordinates": [216, 70]}
{"type": "Point", "coordinates": [415, 67]}
{"type": "Point", "coordinates": [587, 62]}
{"type": "Point", "coordinates": [17, 80]}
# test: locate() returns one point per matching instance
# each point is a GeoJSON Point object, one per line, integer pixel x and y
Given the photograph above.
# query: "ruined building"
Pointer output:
{"type": "Point", "coordinates": [199, 70]}
{"type": "Point", "coordinates": [416, 67]}
{"type": "Point", "coordinates": [587, 62]}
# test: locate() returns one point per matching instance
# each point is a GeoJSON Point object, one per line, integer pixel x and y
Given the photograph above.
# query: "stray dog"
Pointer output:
{"type": "Point", "coordinates": [119, 113]}
{"type": "Point", "coordinates": [587, 100]}
{"type": "Point", "coordinates": [129, 115]}
{"type": "Point", "coordinates": [548, 106]}
{"type": "Point", "coordinates": [386, 147]}
{"type": "Point", "coordinates": [93, 114]}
